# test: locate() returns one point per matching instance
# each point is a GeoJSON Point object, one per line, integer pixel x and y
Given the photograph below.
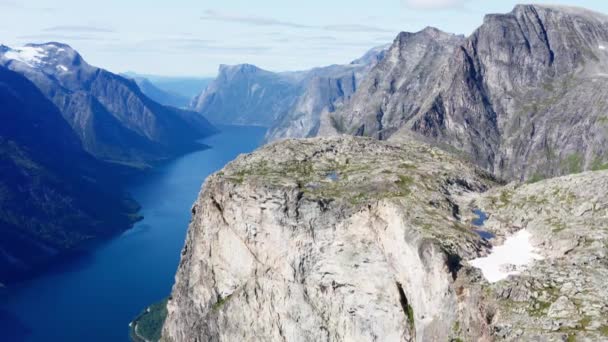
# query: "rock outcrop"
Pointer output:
{"type": "Point", "coordinates": [330, 240]}
{"type": "Point", "coordinates": [355, 239]}
{"type": "Point", "coordinates": [523, 95]}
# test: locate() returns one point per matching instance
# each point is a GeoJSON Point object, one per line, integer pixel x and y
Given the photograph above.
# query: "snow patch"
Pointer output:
{"type": "Point", "coordinates": [602, 47]}
{"type": "Point", "coordinates": [509, 259]}
{"type": "Point", "coordinates": [62, 68]}
{"type": "Point", "coordinates": [28, 54]}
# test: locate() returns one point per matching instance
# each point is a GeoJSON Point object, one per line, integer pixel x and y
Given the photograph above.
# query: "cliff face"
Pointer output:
{"type": "Point", "coordinates": [247, 95]}
{"type": "Point", "coordinates": [522, 95]}
{"type": "Point", "coordinates": [353, 239]}
{"type": "Point", "coordinates": [329, 240]}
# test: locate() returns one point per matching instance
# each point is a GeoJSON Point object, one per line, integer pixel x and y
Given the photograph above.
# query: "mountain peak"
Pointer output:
{"type": "Point", "coordinates": [239, 68]}
{"type": "Point", "coordinates": [51, 57]}
{"type": "Point", "coordinates": [523, 9]}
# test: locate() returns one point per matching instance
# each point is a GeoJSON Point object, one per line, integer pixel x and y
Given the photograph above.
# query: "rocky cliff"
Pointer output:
{"type": "Point", "coordinates": [522, 95]}
{"type": "Point", "coordinates": [354, 239]}
{"type": "Point", "coordinates": [332, 239]}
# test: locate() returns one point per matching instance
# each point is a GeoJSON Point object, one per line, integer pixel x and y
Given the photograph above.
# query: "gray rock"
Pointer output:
{"type": "Point", "coordinates": [522, 96]}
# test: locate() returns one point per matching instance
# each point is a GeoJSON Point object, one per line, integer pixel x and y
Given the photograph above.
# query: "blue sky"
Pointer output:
{"type": "Point", "coordinates": [191, 38]}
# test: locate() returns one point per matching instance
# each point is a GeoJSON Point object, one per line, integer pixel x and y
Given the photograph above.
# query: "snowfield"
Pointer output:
{"type": "Point", "coordinates": [515, 254]}
{"type": "Point", "coordinates": [27, 54]}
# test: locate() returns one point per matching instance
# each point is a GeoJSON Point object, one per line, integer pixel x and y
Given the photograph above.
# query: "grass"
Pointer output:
{"type": "Point", "coordinates": [573, 163]}
{"type": "Point", "coordinates": [404, 184]}
{"type": "Point", "coordinates": [598, 165]}
{"type": "Point", "coordinates": [536, 177]}
{"type": "Point", "coordinates": [410, 317]}
{"type": "Point", "coordinates": [220, 303]}
{"type": "Point", "coordinates": [149, 324]}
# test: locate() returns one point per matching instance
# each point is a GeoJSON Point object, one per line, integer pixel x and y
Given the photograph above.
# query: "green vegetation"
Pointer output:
{"type": "Point", "coordinates": [220, 303]}
{"type": "Point", "coordinates": [148, 325]}
{"type": "Point", "coordinates": [404, 184]}
{"type": "Point", "coordinates": [536, 177]}
{"type": "Point", "coordinates": [585, 322]}
{"type": "Point", "coordinates": [598, 165]}
{"type": "Point", "coordinates": [604, 330]}
{"type": "Point", "coordinates": [410, 317]}
{"type": "Point", "coordinates": [573, 163]}
{"type": "Point", "coordinates": [505, 198]}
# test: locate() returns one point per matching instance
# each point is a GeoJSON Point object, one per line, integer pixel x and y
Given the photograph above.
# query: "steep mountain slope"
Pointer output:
{"type": "Point", "coordinates": [189, 87]}
{"type": "Point", "coordinates": [247, 95]}
{"type": "Point", "coordinates": [289, 103]}
{"type": "Point", "coordinates": [54, 197]}
{"type": "Point", "coordinates": [355, 239]}
{"type": "Point", "coordinates": [522, 95]}
{"type": "Point", "coordinates": [161, 96]}
{"type": "Point", "coordinates": [325, 90]}
{"type": "Point", "coordinates": [113, 119]}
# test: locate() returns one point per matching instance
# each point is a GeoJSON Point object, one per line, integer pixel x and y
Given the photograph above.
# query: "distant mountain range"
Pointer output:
{"type": "Point", "coordinates": [70, 132]}
{"type": "Point", "coordinates": [289, 103]}
{"type": "Point", "coordinates": [171, 91]}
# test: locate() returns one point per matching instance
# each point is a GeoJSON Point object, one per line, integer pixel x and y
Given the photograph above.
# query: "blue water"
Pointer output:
{"type": "Point", "coordinates": [94, 298]}
{"type": "Point", "coordinates": [479, 221]}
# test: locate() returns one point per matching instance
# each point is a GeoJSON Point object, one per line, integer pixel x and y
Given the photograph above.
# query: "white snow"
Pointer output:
{"type": "Point", "coordinates": [516, 251]}
{"type": "Point", "coordinates": [27, 54]}
{"type": "Point", "coordinates": [62, 68]}
{"type": "Point", "coordinates": [602, 47]}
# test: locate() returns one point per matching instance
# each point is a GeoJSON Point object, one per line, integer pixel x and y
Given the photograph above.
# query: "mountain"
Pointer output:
{"type": "Point", "coordinates": [522, 96]}
{"type": "Point", "coordinates": [189, 87]}
{"type": "Point", "coordinates": [114, 120]}
{"type": "Point", "coordinates": [55, 198]}
{"type": "Point", "coordinates": [161, 96]}
{"type": "Point", "coordinates": [247, 95]}
{"type": "Point", "coordinates": [289, 103]}
{"type": "Point", "coordinates": [356, 239]}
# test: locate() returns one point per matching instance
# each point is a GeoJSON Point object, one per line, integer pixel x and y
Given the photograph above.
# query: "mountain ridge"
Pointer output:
{"type": "Point", "coordinates": [113, 118]}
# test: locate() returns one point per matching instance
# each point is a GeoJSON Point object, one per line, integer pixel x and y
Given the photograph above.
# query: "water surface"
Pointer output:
{"type": "Point", "coordinates": [94, 297]}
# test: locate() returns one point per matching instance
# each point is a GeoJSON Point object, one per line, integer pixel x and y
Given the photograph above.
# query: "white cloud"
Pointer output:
{"type": "Point", "coordinates": [433, 4]}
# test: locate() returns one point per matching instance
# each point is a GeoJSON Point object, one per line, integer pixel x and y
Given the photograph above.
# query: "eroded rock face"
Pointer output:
{"type": "Point", "coordinates": [345, 239]}
{"type": "Point", "coordinates": [523, 95]}
{"type": "Point", "coordinates": [355, 239]}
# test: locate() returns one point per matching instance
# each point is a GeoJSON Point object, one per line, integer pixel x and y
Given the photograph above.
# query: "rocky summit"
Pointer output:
{"type": "Point", "coordinates": [523, 95]}
{"type": "Point", "coordinates": [355, 239]}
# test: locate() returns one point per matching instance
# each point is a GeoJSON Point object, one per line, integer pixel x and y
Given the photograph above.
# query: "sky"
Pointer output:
{"type": "Point", "coordinates": [193, 37]}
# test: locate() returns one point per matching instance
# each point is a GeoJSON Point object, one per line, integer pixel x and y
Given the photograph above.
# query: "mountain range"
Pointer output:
{"type": "Point", "coordinates": [418, 211]}
{"type": "Point", "coordinates": [54, 196]}
{"type": "Point", "coordinates": [114, 120]}
{"type": "Point", "coordinates": [171, 91]}
{"type": "Point", "coordinates": [71, 134]}
{"type": "Point", "coordinates": [522, 96]}
{"type": "Point", "coordinates": [288, 103]}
